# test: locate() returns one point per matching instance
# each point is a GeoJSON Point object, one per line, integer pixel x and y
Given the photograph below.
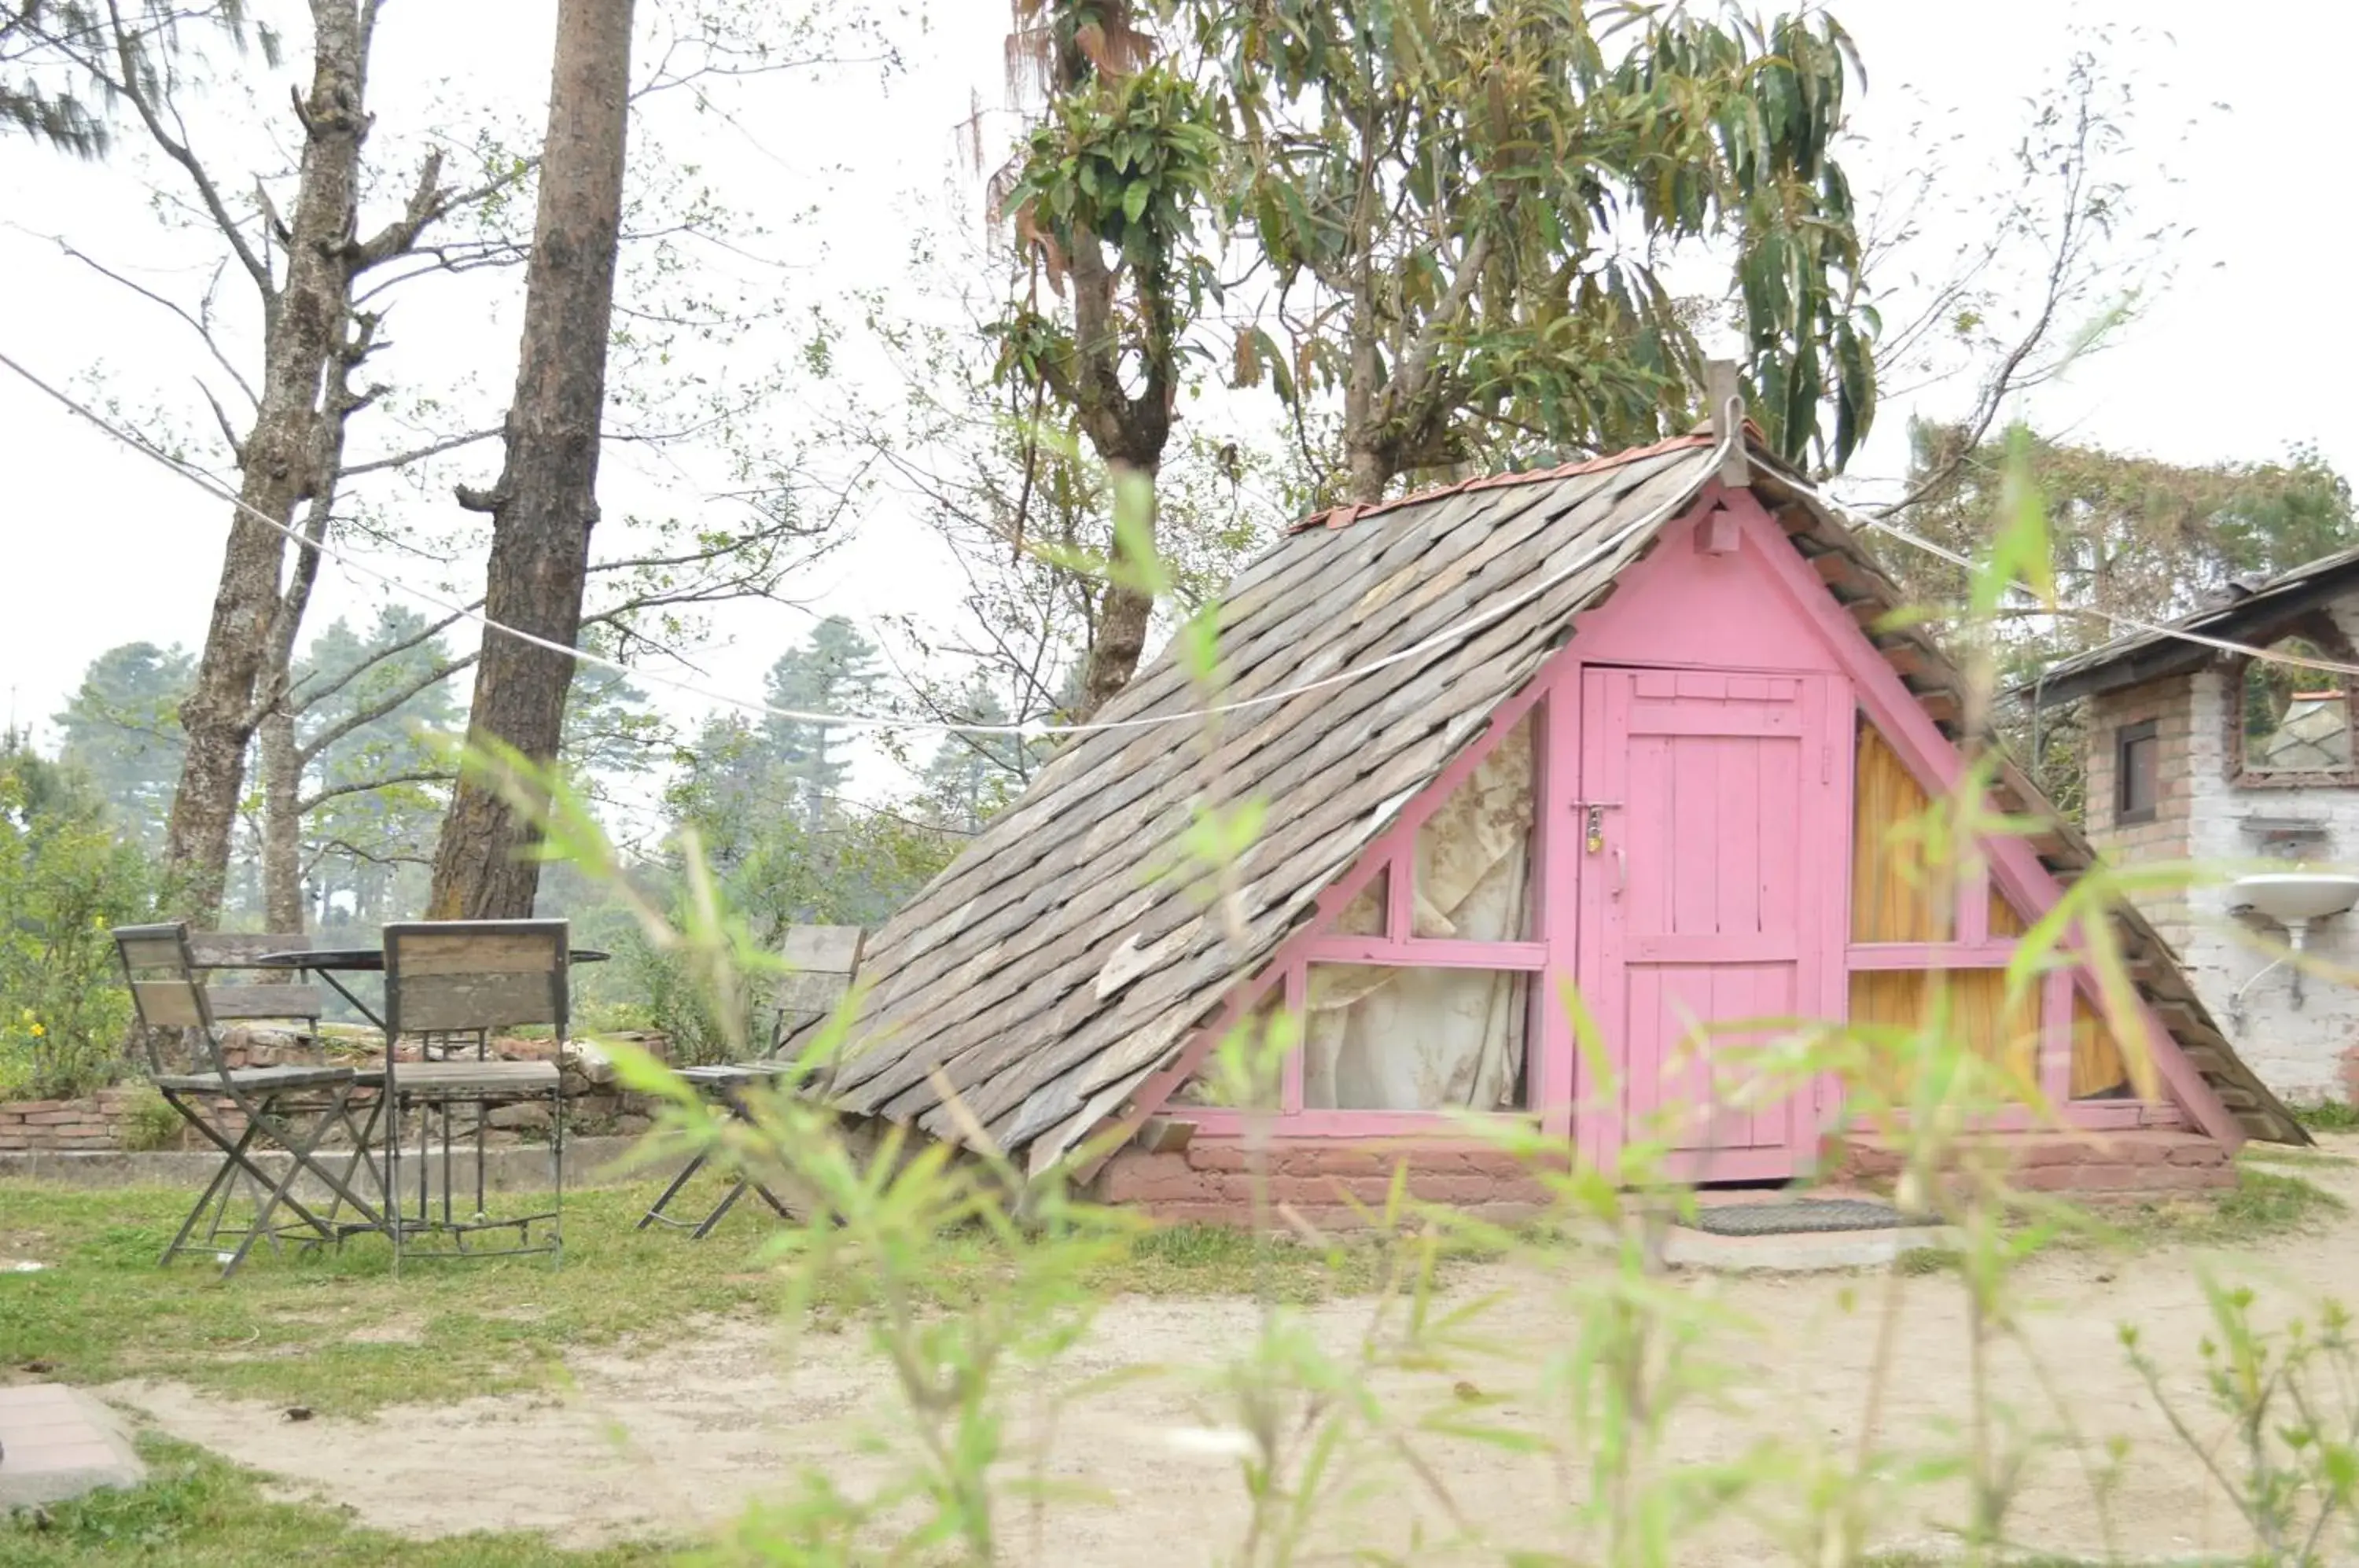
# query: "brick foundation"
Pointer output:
{"type": "Point", "coordinates": [2150, 1161]}
{"type": "Point", "coordinates": [1319, 1180]}
{"type": "Point", "coordinates": [1209, 1181]}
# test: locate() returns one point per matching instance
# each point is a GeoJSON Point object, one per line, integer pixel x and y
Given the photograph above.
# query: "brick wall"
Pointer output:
{"type": "Point", "coordinates": [2150, 1162]}
{"type": "Point", "coordinates": [2170, 704]}
{"type": "Point", "coordinates": [93, 1123]}
{"type": "Point", "coordinates": [1319, 1180]}
{"type": "Point", "coordinates": [1209, 1181]}
{"type": "Point", "coordinates": [2205, 816]}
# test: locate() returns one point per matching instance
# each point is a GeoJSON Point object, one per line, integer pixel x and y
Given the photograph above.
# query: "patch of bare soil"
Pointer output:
{"type": "Point", "coordinates": [688, 1436]}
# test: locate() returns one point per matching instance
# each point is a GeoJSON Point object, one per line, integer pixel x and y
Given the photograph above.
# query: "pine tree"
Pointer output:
{"type": "Point", "coordinates": [834, 672]}
{"type": "Point", "coordinates": [122, 730]}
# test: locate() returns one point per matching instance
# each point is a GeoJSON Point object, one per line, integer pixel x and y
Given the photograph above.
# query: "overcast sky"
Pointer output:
{"type": "Point", "coordinates": [2239, 135]}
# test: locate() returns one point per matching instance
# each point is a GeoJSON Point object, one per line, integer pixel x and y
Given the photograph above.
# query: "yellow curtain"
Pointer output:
{"type": "Point", "coordinates": [1978, 1013]}
{"type": "Point", "coordinates": [1891, 892]}
{"type": "Point", "coordinates": [2097, 1064]}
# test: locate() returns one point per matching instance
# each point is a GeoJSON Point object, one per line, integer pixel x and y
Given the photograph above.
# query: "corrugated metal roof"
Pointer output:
{"type": "Point", "coordinates": [2109, 664]}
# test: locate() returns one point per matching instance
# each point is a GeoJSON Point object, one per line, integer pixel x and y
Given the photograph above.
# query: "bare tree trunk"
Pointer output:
{"type": "Point", "coordinates": [545, 504]}
{"type": "Point", "coordinates": [279, 461]}
{"type": "Point", "coordinates": [282, 825]}
{"type": "Point", "coordinates": [1119, 636]}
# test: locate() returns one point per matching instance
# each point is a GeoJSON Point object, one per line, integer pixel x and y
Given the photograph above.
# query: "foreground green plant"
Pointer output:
{"type": "Point", "coordinates": [2289, 1460]}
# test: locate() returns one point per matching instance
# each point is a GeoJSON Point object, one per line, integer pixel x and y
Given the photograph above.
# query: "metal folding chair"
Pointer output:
{"type": "Point", "coordinates": [294, 1107]}
{"type": "Point", "coordinates": [822, 962]}
{"type": "Point", "coordinates": [297, 1003]}
{"type": "Point", "coordinates": [452, 982]}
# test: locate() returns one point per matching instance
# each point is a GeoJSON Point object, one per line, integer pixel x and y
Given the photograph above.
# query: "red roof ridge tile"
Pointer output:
{"type": "Point", "coordinates": [1352, 512]}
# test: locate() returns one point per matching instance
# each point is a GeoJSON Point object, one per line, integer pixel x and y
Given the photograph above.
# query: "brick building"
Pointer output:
{"type": "Point", "coordinates": [2200, 755]}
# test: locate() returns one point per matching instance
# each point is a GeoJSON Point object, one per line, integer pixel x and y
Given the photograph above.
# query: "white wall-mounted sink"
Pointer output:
{"type": "Point", "coordinates": [2295, 898]}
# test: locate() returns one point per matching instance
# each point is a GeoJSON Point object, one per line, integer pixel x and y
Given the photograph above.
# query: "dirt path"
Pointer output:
{"type": "Point", "coordinates": [687, 1437]}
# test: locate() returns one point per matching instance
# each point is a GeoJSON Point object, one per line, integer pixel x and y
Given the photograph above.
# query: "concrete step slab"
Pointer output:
{"type": "Point", "coordinates": [57, 1442]}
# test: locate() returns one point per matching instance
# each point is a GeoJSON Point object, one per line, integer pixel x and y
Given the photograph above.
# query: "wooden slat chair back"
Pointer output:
{"type": "Point", "coordinates": [820, 965]}
{"type": "Point", "coordinates": [474, 976]}
{"type": "Point", "coordinates": [216, 951]}
{"type": "Point", "coordinates": [821, 961]}
{"type": "Point", "coordinates": [470, 978]}
{"type": "Point", "coordinates": [168, 994]}
{"type": "Point", "coordinates": [293, 1106]}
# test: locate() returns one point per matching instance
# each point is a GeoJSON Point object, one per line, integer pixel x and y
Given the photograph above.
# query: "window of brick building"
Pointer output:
{"type": "Point", "coordinates": [2137, 772]}
{"type": "Point", "coordinates": [2294, 719]}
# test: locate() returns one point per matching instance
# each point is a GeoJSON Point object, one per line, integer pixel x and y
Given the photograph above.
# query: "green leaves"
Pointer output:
{"type": "Point", "coordinates": [64, 880]}
{"type": "Point", "coordinates": [1464, 206]}
{"type": "Point", "coordinates": [1124, 161]}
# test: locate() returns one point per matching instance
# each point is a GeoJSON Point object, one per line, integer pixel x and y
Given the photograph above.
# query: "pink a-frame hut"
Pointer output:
{"type": "Point", "coordinates": [1640, 725]}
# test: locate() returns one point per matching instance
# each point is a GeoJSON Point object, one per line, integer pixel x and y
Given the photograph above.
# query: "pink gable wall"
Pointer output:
{"type": "Point", "coordinates": [1755, 606]}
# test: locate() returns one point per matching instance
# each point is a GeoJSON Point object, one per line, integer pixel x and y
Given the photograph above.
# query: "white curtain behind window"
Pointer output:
{"type": "Point", "coordinates": [1413, 1039]}
{"type": "Point", "coordinates": [1425, 1040]}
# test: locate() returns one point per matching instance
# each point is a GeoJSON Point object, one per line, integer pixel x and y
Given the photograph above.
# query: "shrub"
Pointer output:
{"type": "Point", "coordinates": [64, 879]}
{"type": "Point", "coordinates": [148, 1122]}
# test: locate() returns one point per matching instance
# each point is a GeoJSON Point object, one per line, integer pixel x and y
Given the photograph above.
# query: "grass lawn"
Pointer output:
{"type": "Point", "coordinates": [334, 1331]}
{"type": "Point", "coordinates": [2262, 1204]}
{"type": "Point", "coordinates": [203, 1512]}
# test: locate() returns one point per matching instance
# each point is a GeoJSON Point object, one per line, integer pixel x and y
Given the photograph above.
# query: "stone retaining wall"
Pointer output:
{"type": "Point", "coordinates": [101, 1122]}
{"type": "Point", "coordinates": [95, 1122]}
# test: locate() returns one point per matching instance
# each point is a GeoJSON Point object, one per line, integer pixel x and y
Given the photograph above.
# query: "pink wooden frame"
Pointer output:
{"type": "Point", "coordinates": [2007, 862]}
{"type": "Point", "coordinates": [1837, 646]}
{"type": "Point", "coordinates": [1394, 853]}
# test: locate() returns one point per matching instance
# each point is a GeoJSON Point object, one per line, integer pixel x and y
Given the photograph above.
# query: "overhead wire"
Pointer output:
{"type": "Point", "coordinates": [1029, 729]}
{"type": "Point", "coordinates": [1032, 729]}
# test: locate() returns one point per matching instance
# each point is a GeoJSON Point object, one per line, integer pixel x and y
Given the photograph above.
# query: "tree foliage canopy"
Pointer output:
{"type": "Point", "coordinates": [1470, 211]}
{"type": "Point", "coordinates": [2130, 535]}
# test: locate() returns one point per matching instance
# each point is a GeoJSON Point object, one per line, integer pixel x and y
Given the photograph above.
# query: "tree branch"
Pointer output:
{"type": "Point", "coordinates": [336, 791]}
{"type": "Point", "coordinates": [418, 454]}
{"type": "Point", "coordinates": [428, 201]}
{"type": "Point", "coordinates": [128, 85]}
{"type": "Point", "coordinates": [306, 697]}
{"type": "Point", "coordinates": [203, 331]}
{"type": "Point", "coordinates": [442, 669]}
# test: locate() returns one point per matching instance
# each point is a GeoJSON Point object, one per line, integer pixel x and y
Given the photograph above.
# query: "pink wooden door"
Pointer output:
{"type": "Point", "coordinates": [1712, 890]}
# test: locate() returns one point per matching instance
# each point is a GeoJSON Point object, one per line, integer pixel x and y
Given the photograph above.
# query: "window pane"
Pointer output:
{"type": "Point", "coordinates": [2295, 720]}
{"type": "Point", "coordinates": [1364, 915]}
{"type": "Point", "coordinates": [1415, 1040]}
{"type": "Point", "coordinates": [1474, 855]}
{"type": "Point", "coordinates": [2140, 784]}
{"type": "Point", "coordinates": [1246, 1067]}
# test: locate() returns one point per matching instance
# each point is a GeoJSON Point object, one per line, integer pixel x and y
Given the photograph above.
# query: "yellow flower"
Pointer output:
{"type": "Point", "coordinates": [39, 1031]}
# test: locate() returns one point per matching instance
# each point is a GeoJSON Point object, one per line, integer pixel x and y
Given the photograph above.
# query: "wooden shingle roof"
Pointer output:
{"type": "Point", "coordinates": [1061, 958]}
